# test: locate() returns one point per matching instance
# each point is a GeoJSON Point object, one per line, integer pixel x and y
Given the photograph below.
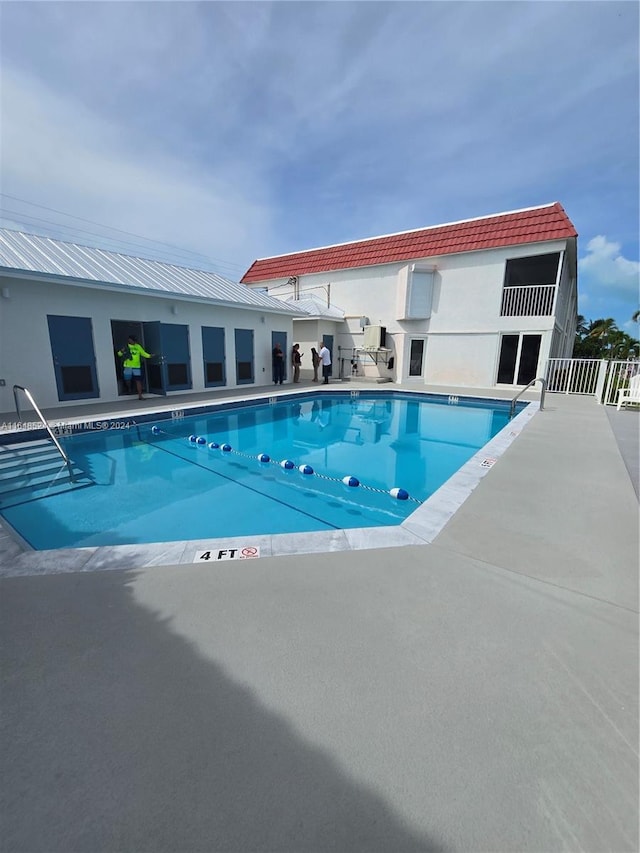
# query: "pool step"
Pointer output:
{"type": "Point", "coordinates": [35, 469]}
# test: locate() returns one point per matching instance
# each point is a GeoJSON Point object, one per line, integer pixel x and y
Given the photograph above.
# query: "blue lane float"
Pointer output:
{"type": "Point", "coordinates": [201, 440]}
{"type": "Point", "coordinates": [287, 464]}
{"type": "Point", "coordinates": [213, 445]}
{"type": "Point", "coordinates": [264, 457]}
{"type": "Point", "coordinates": [305, 469]}
{"type": "Point", "coordinates": [193, 438]}
{"type": "Point", "coordinates": [351, 481]}
{"type": "Point", "coordinates": [226, 448]}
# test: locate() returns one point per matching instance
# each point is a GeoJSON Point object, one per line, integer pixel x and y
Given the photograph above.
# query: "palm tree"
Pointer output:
{"type": "Point", "coordinates": [604, 331]}
{"type": "Point", "coordinates": [626, 347]}
{"type": "Point", "coordinates": [602, 339]}
{"type": "Point", "coordinates": [618, 345]}
{"type": "Point", "coordinates": [581, 326]}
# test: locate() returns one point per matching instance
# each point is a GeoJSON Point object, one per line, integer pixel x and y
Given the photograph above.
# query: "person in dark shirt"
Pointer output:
{"type": "Point", "coordinates": [296, 357]}
{"type": "Point", "coordinates": [316, 362]}
{"type": "Point", "coordinates": [278, 365]}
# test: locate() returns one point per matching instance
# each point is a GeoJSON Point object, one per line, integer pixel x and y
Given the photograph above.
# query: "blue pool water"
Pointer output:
{"type": "Point", "coordinates": [154, 485]}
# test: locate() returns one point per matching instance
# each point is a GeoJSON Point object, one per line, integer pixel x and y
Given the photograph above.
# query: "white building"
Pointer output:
{"type": "Point", "coordinates": [481, 303]}
{"type": "Point", "coordinates": [66, 309]}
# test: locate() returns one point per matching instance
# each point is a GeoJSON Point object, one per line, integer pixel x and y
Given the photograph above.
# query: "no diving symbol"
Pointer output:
{"type": "Point", "coordinates": [250, 552]}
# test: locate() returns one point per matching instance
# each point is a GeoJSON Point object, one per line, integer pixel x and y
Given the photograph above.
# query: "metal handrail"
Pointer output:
{"type": "Point", "coordinates": [45, 423]}
{"type": "Point", "coordinates": [542, 381]}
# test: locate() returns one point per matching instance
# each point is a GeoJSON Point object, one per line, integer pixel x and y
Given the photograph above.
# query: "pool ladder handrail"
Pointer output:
{"type": "Point", "coordinates": [542, 381]}
{"type": "Point", "coordinates": [45, 423]}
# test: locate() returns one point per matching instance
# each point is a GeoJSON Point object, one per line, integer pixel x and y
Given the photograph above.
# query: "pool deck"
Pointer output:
{"type": "Point", "coordinates": [475, 693]}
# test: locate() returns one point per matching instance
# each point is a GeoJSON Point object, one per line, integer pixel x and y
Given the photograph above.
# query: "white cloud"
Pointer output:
{"type": "Point", "coordinates": [63, 155]}
{"type": "Point", "coordinates": [605, 267]}
{"type": "Point", "coordinates": [249, 129]}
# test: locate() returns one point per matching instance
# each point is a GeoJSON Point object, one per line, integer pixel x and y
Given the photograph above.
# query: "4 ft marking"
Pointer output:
{"type": "Point", "coordinates": [219, 554]}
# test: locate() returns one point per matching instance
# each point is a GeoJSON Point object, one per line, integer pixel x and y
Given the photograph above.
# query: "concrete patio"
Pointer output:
{"type": "Point", "coordinates": [478, 693]}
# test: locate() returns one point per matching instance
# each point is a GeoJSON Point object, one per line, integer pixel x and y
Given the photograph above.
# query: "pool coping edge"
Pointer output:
{"type": "Point", "coordinates": [419, 528]}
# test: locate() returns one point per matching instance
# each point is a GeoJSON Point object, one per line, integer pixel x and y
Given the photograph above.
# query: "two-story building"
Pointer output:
{"type": "Point", "coordinates": [481, 303]}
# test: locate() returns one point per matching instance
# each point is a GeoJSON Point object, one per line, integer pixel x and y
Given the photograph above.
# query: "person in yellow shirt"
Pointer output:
{"type": "Point", "coordinates": [132, 366]}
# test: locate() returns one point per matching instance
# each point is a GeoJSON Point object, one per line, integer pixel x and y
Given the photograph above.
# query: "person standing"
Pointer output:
{"type": "Point", "coordinates": [296, 357]}
{"type": "Point", "coordinates": [132, 366]}
{"type": "Point", "coordinates": [325, 358]}
{"type": "Point", "coordinates": [315, 361]}
{"type": "Point", "coordinates": [278, 365]}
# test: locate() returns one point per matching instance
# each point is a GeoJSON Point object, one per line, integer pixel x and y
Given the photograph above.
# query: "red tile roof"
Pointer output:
{"type": "Point", "coordinates": [534, 225]}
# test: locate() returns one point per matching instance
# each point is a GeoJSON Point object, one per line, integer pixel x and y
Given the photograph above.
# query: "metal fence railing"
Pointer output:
{"type": "Point", "coordinates": [573, 375]}
{"type": "Point", "coordinates": [528, 301]}
{"type": "Point", "coordinates": [615, 378]}
{"type": "Point", "coordinates": [597, 377]}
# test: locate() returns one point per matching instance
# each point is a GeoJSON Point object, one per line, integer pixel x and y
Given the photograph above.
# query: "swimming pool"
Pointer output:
{"type": "Point", "coordinates": [166, 480]}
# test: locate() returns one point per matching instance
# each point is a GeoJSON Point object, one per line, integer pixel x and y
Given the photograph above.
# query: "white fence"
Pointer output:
{"type": "Point", "coordinates": [598, 377]}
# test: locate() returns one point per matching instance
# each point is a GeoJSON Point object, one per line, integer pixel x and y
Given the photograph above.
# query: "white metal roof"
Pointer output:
{"type": "Point", "coordinates": [57, 259]}
{"type": "Point", "coordinates": [315, 307]}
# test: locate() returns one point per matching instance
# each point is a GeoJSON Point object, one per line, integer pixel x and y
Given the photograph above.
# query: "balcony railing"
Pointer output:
{"type": "Point", "coordinates": [528, 301]}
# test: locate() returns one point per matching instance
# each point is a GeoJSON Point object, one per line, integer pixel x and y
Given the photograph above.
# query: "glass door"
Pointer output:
{"type": "Point", "coordinates": [518, 358]}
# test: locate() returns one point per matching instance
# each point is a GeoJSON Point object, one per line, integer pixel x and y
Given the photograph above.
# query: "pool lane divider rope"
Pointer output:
{"type": "Point", "coordinates": [237, 483]}
{"type": "Point", "coordinates": [288, 465]}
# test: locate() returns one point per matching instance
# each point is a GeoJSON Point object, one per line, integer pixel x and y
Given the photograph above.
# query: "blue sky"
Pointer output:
{"type": "Point", "coordinates": [242, 130]}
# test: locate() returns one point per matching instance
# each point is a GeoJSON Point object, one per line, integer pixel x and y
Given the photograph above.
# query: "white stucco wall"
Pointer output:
{"type": "Point", "coordinates": [305, 333]}
{"type": "Point", "coordinates": [566, 313]}
{"type": "Point", "coordinates": [464, 359]}
{"type": "Point", "coordinates": [463, 332]}
{"type": "Point", "coordinates": [25, 349]}
{"type": "Point", "coordinates": [309, 333]}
